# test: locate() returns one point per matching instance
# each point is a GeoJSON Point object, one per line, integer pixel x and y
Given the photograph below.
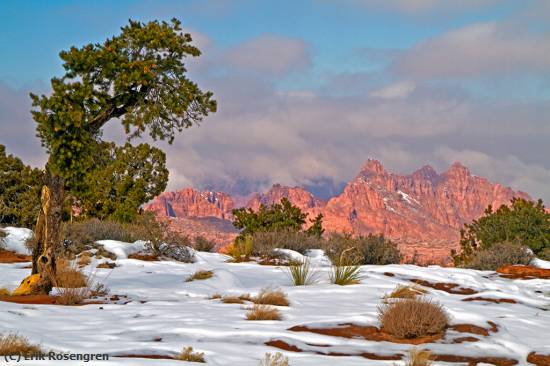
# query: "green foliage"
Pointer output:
{"type": "Point", "coordinates": [277, 217]}
{"type": "Point", "coordinates": [302, 274]}
{"type": "Point", "coordinates": [122, 180]}
{"type": "Point", "coordinates": [137, 77]}
{"type": "Point", "coordinates": [19, 191]}
{"type": "Point", "coordinates": [316, 228]}
{"type": "Point", "coordinates": [523, 222]}
{"type": "Point", "coordinates": [498, 255]}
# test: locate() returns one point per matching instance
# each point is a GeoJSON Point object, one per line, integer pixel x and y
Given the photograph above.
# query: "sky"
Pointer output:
{"type": "Point", "coordinates": [308, 90]}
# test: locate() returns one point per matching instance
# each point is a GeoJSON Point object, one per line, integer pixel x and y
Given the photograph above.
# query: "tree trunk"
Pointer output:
{"type": "Point", "coordinates": [47, 239]}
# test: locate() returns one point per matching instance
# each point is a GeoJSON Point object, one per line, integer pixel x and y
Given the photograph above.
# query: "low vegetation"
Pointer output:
{"type": "Point", "coordinates": [406, 292]}
{"type": "Point", "coordinates": [13, 344]}
{"type": "Point", "coordinates": [263, 312]}
{"type": "Point", "coordinates": [241, 250]}
{"type": "Point", "coordinates": [5, 292]}
{"type": "Point", "coordinates": [229, 299]}
{"type": "Point", "coordinates": [417, 357]}
{"type": "Point", "coordinates": [498, 255]}
{"type": "Point", "coordinates": [271, 297]}
{"type": "Point", "coordinates": [344, 275]}
{"type": "Point", "coordinates": [200, 275]}
{"type": "Point", "coordinates": [187, 354]}
{"type": "Point", "coordinates": [302, 274]}
{"type": "Point", "coordinates": [201, 244]}
{"type": "Point", "coordinates": [412, 318]}
{"type": "Point", "coordinates": [370, 249]}
{"type": "Point", "coordinates": [276, 359]}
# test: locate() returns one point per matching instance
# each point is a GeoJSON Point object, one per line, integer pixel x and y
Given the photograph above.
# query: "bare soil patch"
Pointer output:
{"type": "Point", "coordinates": [11, 257]}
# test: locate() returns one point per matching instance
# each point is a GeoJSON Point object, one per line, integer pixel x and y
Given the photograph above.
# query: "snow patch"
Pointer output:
{"type": "Point", "coordinates": [16, 238]}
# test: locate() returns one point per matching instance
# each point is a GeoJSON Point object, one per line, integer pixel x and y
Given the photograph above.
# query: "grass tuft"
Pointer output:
{"type": "Point", "coordinates": [418, 357]}
{"type": "Point", "coordinates": [187, 354]}
{"type": "Point", "coordinates": [200, 275]}
{"type": "Point", "coordinates": [271, 297]}
{"type": "Point", "coordinates": [232, 300]}
{"type": "Point", "coordinates": [263, 312]}
{"type": "Point", "coordinates": [301, 274]}
{"type": "Point", "coordinates": [276, 359]}
{"type": "Point", "coordinates": [406, 292]}
{"type": "Point", "coordinates": [13, 344]}
{"type": "Point", "coordinates": [344, 275]}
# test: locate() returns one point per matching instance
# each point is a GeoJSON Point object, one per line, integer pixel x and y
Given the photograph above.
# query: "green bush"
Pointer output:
{"type": "Point", "coordinates": [201, 244]}
{"type": "Point", "coordinates": [498, 255]}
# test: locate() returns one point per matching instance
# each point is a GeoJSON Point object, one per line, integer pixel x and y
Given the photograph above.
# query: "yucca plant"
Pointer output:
{"type": "Point", "coordinates": [302, 274]}
{"type": "Point", "coordinates": [345, 271]}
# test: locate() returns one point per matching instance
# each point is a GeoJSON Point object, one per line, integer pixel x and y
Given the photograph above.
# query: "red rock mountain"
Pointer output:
{"type": "Point", "coordinates": [423, 211]}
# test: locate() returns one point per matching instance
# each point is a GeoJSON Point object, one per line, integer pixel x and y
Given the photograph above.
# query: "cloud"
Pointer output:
{"type": "Point", "coordinates": [423, 7]}
{"type": "Point", "coordinates": [397, 90]}
{"type": "Point", "coordinates": [270, 54]}
{"type": "Point", "coordinates": [478, 50]}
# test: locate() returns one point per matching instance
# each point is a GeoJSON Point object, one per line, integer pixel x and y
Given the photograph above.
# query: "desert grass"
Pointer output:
{"type": "Point", "coordinates": [271, 297]}
{"type": "Point", "coordinates": [263, 312]}
{"type": "Point", "coordinates": [200, 275]}
{"type": "Point", "coordinates": [84, 259]}
{"type": "Point", "coordinates": [215, 296]}
{"type": "Point", "coordinates": [412, 318]}
{"type": "Point", "coordinates": [417, 357]}
{"type": "Point", "coordinates": [13, 344]}
{"type": "Point", "coordinates": [74, 286]}
{"type": "Point", "coordinates": [406, 292]}
{"type": "Point", "coordinates": [232, 300]}
{"type": "Point", "coordinates": [187, 354]}
{"type": "Point", "coordinates": [4, 292]}
{"type": "Point", "coordinates": [302, 274]}
{"type": "Point", "coordinates": [344, 275]}
{"type": "Point", "coordinates": [276, 359]}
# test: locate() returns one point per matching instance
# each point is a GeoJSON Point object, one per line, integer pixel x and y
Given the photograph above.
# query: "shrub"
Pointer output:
{"type": "Point", "coordinates": [215, 296]}
{"type": "Point", "coordinates": [264, 242]}
{"type": "Point", "coordinates": [13, 344]}
{"type": "Point", "coordinates": [345, 275]}
{"type": "Point", "coordinates": [73, 285]}
{"type": "Point", "coordinates": [545, 254]}
{"type": "Point", "coordinates": [187, 354]}
{"type": "Point", "coordinates": [5, 292]}
{"type": "Point", "coordinates": [405, 292]}
{"type": "Point", "coordinates": [200, 275]}
{"type": "Point", "coordinates": [271, 297]}
{"type": "Point", "coordinates": [371, 249]}
{"type": "Point", "coordinates": [412, 318]}
{"type": "Point", "coordinates": [2, 236]}
{"type": "Point", "coordinates": [301, 274]}
{"type": "Point", "coordinates": [201, 244]}
{"type": "Point", "coordinates": [263, 312]}
{"type": "Point", "coordinates": [418, 357]}
{"type": "Point", "coordinates": [276, 359]}
{"type": "Point", "coordinates": [241, 249]}
{"type": "Point", "coordinates": [498, 255]}
{"type": "Point", "coordinates": [84, 259]}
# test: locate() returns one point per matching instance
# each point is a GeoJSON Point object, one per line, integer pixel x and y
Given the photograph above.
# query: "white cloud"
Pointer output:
{"type": "Point", "coordinates": [397, 90]}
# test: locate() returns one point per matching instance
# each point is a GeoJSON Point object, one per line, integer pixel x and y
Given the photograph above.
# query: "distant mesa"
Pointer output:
{"type": "Point", "coordinates": [423, 211]}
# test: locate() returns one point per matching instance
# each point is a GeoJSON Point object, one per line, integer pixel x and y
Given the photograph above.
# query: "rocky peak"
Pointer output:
{"type": "Point", "coordinates": [457, 170]}
{"type": "Point", "coordinates": [372, 167]}
{"type": "Point", "coordinates": [297, 195]}
{"type": "Point", "coordinates": [427, 172]}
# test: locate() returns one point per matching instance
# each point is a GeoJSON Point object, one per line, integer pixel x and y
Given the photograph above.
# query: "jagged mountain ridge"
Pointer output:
{"type": "Point", "coordinates": [423, 211]}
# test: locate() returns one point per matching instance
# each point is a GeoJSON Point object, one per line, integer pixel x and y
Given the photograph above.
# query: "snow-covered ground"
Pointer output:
{"type": "Point", "coordinates": [164, 306]}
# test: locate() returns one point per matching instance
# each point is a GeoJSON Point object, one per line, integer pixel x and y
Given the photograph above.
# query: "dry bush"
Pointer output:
{"type": "Point", "coordinates": [263, 312]}
{"type": "Point", "coordinates": [406, 292]}
{"type": "Point", "coordinates": [187, 354]}
{"type": "Point", "coordinates": [412, 318]}
{"type": "Point", "coordinates": [215, 296]}
{"type": "Point", "coordinates": [276, 359]}
{"type": "Point", "coordinates": [241, 249]}
{"type": "Point", "coordinates": [232, 300]}
{"type": "Point", "coordinates": [5, 292]}
{"type": "Point", "coordinates": [200, 275]}
{"type": "Point", "coordinates": [67, 275]}
{"type": "Point", "coordinates": [201, 244]}
{"type": "Point", "coordinates": [271, 297]}
{"type": "Point", "coordinates": [107, 265]}
{"type": "Point", "coordinates": [345, 275]}
{"type": "Point", "coordinates": [545, 254]}
{"type": "Point", "coordinates": [371, 249]}
{"type": "Point", "coordinates": [499, 255]}
{"type": "Point", "coordinates": [84, 259]}
{"type": "Point", "coordinates": [418, 357]}
{"type": "Point", "coordinates": [265, 242]}
{"type": "Point", "coordinates": [2, 236]}
{"type": "Point", "coordinates": [13, 344]}
{"type": "Point", "coordinates": [74, 286]}
{"type": "Point", "coordinates": [302, 274]}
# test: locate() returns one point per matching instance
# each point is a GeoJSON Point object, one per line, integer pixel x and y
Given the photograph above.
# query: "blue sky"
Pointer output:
{"type": "Point", "coordinates": [310, 89]}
